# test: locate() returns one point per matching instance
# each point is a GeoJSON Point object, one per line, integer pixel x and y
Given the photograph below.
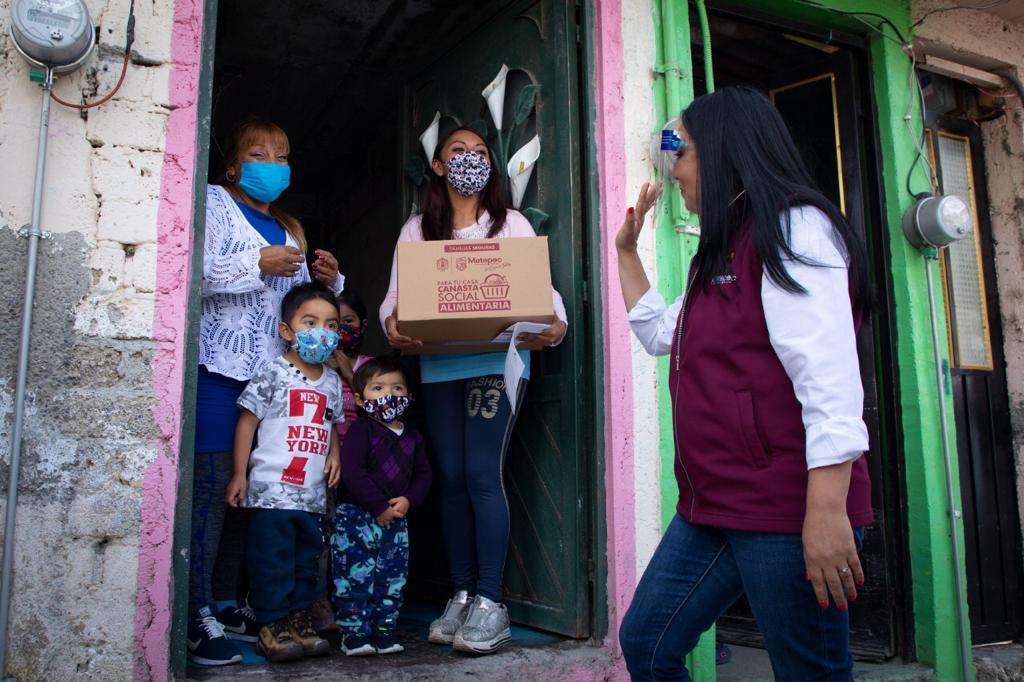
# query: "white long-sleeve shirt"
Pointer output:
{"type": "Point", "coordinates": [812, 334]}
{"type": "Point", "coordinates": [241, 305]}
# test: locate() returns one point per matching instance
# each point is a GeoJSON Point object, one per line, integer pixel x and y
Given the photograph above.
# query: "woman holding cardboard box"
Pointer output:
{"type": "Point", "coordinates": [470, 419]}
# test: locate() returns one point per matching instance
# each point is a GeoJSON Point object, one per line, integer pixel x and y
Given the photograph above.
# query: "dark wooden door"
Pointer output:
{"type": "Point", "coordinates": [995, 587]}
{"type": "Point", "coordinates": [820, 103]}
{"type": "Point", "coordinates": [546, 574]}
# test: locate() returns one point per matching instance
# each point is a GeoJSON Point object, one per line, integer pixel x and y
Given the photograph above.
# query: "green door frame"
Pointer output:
{"type": "Point", "coordinates": [936, 636]}
{"type": "Point", "coordinates": [183, 518]}
{"type": "Point", "coordinates": [592, 316]}
{"type": "Point", "coordinates": [183, 504]}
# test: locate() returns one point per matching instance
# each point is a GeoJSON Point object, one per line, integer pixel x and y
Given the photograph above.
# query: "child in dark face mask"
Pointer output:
{"type": "Point", "coordinates": [384, 473]}
{"type": "Point", "coordinates": [347, 358]}
{"type": "Point", "coordinates": [345, 361]}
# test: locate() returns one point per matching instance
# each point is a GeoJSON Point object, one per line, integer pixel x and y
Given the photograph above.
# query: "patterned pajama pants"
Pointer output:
{"type": "Point", "coordinates": [369, 564]}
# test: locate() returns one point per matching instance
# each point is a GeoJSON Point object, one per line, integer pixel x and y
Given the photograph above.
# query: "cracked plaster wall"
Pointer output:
{"type": "Point", "coordinates": [90, 431]}
{"type": "Point", "coordinates": [986, 41]}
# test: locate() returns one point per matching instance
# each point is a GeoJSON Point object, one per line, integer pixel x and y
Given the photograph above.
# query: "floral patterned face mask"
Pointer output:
{"type": "Point", "coordinates": [387, 408]}
{"type": "Point", "coordinates": [468, 173]}
{"type": "Point", "coordinates": [351, 336]}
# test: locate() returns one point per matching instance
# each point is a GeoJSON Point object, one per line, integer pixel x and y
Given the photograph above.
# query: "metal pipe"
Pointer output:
{"type": "Point", "coordinates": [34, 234]}
{"type": "Point", "coordinates": [705, 38]}
{"type": "Point", "coordinates": [955, 514]}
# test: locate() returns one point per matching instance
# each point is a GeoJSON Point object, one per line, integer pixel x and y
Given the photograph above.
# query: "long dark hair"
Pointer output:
{"type": "Point", "coordinates": [743, 145]}
{"type": "Point", "coordinates": [437, 207]}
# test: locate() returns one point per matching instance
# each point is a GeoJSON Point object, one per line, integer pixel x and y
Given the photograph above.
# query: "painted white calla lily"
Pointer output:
{"type": "Point", "coordinates": [429, 137]}
{"type": "Point", "coordinates": [494, 93]}
{"type": "Point", "coordinates": [520, 168]}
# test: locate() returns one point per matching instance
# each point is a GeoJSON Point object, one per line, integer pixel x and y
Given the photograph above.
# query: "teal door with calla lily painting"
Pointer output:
{"type": "Point", "coordinates": [513, 78]}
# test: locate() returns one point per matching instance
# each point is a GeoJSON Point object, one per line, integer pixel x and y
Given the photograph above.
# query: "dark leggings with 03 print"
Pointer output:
{"type": "Point", "coordinates": [471, 424]}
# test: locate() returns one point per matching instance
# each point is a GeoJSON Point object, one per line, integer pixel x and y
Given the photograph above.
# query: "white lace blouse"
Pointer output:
{"type": "Point", "coordinates": [241, 305]}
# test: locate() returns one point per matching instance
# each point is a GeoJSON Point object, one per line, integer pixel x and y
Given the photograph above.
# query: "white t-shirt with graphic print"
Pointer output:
{"type": "Point", "coordinates": [286, 470]}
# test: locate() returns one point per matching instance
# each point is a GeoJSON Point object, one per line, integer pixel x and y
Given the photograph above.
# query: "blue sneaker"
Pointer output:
{"type": "Point", "coordinates": [357, 645]}
{"type": "Point", "coordinates": [386, 642]}
{"type": "Point", "coordinates": [207, 644]}
{"type": "Point", "coordinates": [239, 623]}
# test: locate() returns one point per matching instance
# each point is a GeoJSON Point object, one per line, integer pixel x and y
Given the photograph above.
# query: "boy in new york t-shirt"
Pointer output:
{"type": "Point", "coordinates": [294, 401]}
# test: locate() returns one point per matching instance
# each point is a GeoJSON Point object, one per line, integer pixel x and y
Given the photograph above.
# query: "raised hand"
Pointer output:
{"type": "Point", "coordinates": [629, 233]}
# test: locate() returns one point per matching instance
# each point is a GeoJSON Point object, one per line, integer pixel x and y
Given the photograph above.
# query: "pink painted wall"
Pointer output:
{"type": "Point", "coordinates": [611, 157]}
{"type": "Point", "coordinates": [174, 253]}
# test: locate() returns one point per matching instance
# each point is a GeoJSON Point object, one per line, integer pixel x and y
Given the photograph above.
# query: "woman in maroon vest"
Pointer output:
{"type": "Point", "coordinates": [767, 401]}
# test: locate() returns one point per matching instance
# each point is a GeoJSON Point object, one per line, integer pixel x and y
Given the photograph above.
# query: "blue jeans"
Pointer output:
{"type": "Point", "coordinates": [283, 552]}
{"type": "Point", "coordinates": [697, 573]}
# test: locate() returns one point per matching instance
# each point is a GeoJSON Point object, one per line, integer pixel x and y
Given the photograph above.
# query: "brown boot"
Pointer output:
{"type": "Point", "coordinates": [277, 643]}
{"type": "Point", "coordinates": [300, 624]}
{"type": "Point", "coordinates": [323, 616]}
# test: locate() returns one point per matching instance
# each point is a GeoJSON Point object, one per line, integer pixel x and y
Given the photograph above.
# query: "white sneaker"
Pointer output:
{"type": "Point", "coordinates": [486, 628]}
{"type": "Point", "coordinates": [443, 629]}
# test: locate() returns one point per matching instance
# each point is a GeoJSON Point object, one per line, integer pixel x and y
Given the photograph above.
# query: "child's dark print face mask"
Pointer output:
{"type": "Point", "coordinates": [387, 408]}
{"type": "Point", "coordinates": [351, 336]}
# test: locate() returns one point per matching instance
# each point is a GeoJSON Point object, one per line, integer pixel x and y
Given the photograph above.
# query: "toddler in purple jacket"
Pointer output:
{"type": "Point", "coordinates": [384, 474]}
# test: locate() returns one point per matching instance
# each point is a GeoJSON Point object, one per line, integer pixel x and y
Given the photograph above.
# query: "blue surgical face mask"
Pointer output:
{"type": "Point", "coordinates": [265, 181]}
{"type": "Point", "coordinates": [315, 344]}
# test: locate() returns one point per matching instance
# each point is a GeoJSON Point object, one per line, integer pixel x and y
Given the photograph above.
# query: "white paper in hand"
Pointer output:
{"type": "Point", "coordinates": [514, 365]}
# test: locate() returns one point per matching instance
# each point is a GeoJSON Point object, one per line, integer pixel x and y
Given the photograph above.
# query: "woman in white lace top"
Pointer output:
{"type": "Point", "coordinates": [253, 253]}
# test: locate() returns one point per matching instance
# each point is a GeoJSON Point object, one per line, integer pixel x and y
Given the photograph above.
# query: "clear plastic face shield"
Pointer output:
{"type": "Point", "coordinates": [664, 145]}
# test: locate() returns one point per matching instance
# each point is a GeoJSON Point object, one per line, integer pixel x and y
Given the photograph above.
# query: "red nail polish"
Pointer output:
{"type": "Point", "coordinates": [842, 607]}
{"type": "Point", "coordinates": [629, 210]}
{"type": "Point", "coordinates": [861, 582]}
{"type": "Point", "coordinates": [851, 597]}
{"type": "Point", "coordinates": [823, 604]}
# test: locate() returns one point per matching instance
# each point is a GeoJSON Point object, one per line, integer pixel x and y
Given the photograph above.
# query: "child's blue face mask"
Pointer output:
{"type": "Point", "coordinates": [314, 345]}
{"type": "Point", "coordinates": [265, 181]}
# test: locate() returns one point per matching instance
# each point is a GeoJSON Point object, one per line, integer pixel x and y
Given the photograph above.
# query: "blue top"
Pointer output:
{"type": "Point", "coordinates": [266, 225]}
{"type": "Point", "coordinates": [216, 394]}
{"type": "Point", "coordinates": [216, 411]}
{"type": "Point", "coordinates": [451, 367]}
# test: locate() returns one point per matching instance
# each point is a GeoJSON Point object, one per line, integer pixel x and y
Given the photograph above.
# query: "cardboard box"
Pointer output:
{"type": "Point", "coordinates": [457, 296]}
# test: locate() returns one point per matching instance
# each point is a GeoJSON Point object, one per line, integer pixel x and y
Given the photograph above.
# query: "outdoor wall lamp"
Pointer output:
{"type": "Point", "coordinates": [936, 221]}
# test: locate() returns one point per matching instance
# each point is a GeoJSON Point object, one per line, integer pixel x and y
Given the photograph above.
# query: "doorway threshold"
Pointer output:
{"type": "Point", "coordinates": [532, 654]}
{"type": "Point", "coordinates": [750, 664]}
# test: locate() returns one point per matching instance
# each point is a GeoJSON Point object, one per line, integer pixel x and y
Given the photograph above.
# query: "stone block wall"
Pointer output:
{"type": "Point", "coordinates": [90, 430]}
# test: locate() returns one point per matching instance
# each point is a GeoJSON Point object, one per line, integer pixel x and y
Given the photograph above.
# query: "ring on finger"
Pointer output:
{"type": "Point", "coordinates": [844, 570]}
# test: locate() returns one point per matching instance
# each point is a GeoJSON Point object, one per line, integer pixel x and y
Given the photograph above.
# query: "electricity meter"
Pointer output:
{"type": "Point", "coordinates": [57, 34]}
{"type": "Point", "coordinates": [937, 221]}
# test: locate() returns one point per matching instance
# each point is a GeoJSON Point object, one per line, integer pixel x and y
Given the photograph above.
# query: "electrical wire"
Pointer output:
{"type": "Point", "coordinates": [128, 41]}
{"type": "Point", "coordinates": [916, 91]}
{"type": "Point", "coordinates": [927, 14]}
{"type": "Point", "coordinates": [859, 16]}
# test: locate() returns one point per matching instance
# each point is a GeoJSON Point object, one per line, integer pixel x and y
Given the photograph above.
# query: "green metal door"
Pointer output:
{"type": "Point", "coordinates": [546, 480]}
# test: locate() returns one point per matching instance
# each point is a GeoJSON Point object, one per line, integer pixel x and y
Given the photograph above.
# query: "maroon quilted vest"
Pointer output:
{"type": "Point", "coordinates": [740, 440]}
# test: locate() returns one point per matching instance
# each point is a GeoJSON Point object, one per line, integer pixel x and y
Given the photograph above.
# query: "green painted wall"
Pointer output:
{"type": "Point", "coordinates": [934, 603]}
{"type": "Point", "coordinates": [673, 90]}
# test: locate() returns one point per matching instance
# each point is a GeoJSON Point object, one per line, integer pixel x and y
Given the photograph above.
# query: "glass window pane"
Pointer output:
{"type": "Point", "coordinates": [964, 274]}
